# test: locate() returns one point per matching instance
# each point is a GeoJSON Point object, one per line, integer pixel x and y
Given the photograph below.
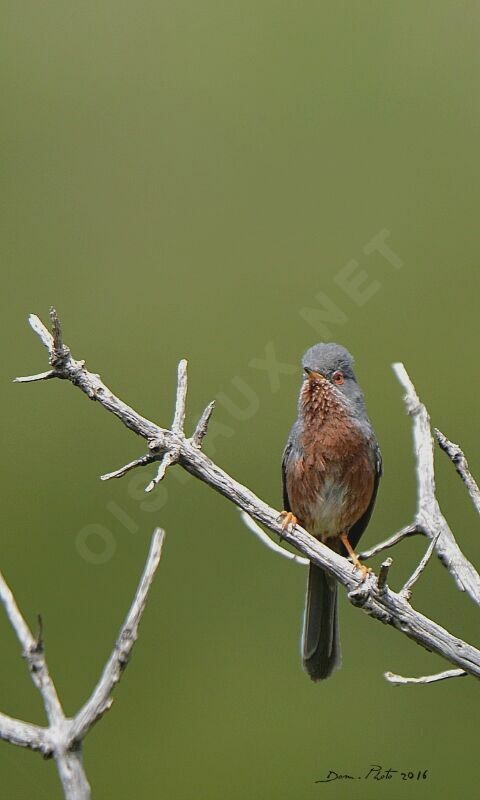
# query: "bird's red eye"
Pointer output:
{"type": "Point", "coordinates": [338, 377]}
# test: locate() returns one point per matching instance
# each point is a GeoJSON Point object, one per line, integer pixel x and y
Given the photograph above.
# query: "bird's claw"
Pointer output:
{"type": "Point", "coordinates": [363, 569]}
{"type": "Point", "coordinates": [289, 521]}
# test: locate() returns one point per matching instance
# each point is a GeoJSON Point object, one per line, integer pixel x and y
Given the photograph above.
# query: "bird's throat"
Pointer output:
{"type": "Point", "coordinates": [318, 401]}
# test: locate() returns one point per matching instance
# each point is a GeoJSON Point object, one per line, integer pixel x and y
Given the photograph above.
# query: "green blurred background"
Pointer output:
{"type": "Point", "coordinates": [183, 179]}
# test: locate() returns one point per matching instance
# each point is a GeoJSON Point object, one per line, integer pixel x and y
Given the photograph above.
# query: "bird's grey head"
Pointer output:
{"type": "Point", "coordinates": [325, 359]}
{"type": "Point", "coordinates": [333, 363]}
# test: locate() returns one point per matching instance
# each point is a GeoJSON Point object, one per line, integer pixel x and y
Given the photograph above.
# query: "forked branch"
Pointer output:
{"type": "Point", "coordinates": [373, 595]}
{"type": "Point", "coordinates": [62, 738]}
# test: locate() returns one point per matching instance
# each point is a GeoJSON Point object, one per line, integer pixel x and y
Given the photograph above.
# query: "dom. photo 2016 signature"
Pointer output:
{"type": "Point", "coordinates": [376, 773]}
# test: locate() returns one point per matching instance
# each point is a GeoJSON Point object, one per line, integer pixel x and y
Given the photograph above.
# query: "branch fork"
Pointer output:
{"type": "Point", "coordinates": [170, 446]}
{"type": "Point", "coordinates": [62, 738]}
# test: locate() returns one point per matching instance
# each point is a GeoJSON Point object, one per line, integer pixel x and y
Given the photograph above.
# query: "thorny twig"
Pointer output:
{"type": "Point", "coordinates": [379, 602]}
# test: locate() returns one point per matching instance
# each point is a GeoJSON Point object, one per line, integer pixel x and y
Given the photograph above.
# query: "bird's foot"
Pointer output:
{"type": "Point", "coordinates": [363, 569]}
{"type": "Point", "coordinates": [357, 564]}
{"type": "Point", "coordinates": [289, 521]}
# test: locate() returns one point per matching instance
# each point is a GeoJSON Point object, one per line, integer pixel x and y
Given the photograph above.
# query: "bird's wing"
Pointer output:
{"type": "Point", "coordinates": [359, 527]}
{"type": "Point", "coordinates": [286, 456]}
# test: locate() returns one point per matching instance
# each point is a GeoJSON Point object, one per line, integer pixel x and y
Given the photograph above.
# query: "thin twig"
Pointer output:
{"type": "Point", "coordinates": [268, 542]}
{"type": "Point", "coordinates": [24, 734]}
{"type": "Point", "coordinates": [181, 401]}
{"type": "Point", "coordinates": [399, 680]}
{"type": "Point", "coordinates": [99, 702]}
{"type": "Point", "coordinates": [202, 425]}
{"type": "Point", "coordinates": [139, 462]}
{"type": "Point", "coordinates": [406, 590]}
{"type": "Point", "coordinates": [457, 456]}
{"type": "Point", "coordinates": [170, 457]}
{"type": "Point", "coordinates": [42, 376]}
{"type": "Point", "coordinates": [34, 655]}
{"type": "Point", "coordinates": [383, 574]}
{"type": "Point", "coordinates": [69, 762]}
{"type": "Point", "coordinates": [42, 332]}
{"type": "Point", "coordinates": [56, 331]}
{"type": "Point", "coordinates": [59, 350]}
{"type": "Point", "coordinates": [395, 538]}
{"type": "Point", "coordinates": [429, 516]}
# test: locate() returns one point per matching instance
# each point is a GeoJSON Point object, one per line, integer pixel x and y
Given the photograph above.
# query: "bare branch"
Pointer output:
{"type": "Point", "coordinates": [429, 516]}
{"type": "Point", "coordinates": [42, 376]}
{"type": "Point", "coordinates": [69, 763]}
{"type": "Point", "coordinates": [385, 605]}
{"type": "Point", "coordinates": [34, 655]}
{"type": "Point", "coordinates": [58, 347]}
{"type": "Point", "coordinates": [399, 680]}
{"type": "Point", "coordinates": [63, 738]}
{"type": "Point", "coordinates": [170, 457]}
{"type": "Point", "coordinates": [456, 455]}
{"type": "Point", "coordinates": [180, 405]}
{"type": "Point", "coordinates": [100, 701]}
{"type": "Point", "coordinates": [139, 462]}
{"type": "Point", "coordinates": [45, 336]}
{"type": "Point", "coordinates": [383, 574]}
{"type": "Point", "coordinates": [202, 425]}
{"type": "Point", "coordinates": [24, 734]}
{"type": "Point", "coordinates": [268, 542]}
{"type": "Point", "coordinates": [406, 590]}
{"type": "Point", "coordinates": [395, 538]}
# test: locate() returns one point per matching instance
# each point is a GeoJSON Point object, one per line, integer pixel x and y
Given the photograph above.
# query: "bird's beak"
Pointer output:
{"type": "Point", "coordinates": [314, 376]}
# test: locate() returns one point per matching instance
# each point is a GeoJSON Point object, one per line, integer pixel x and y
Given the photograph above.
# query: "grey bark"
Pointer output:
{"type": "Point", "coordinates": [62, 738]}
{"type": "Point", "coordinates": [170, 446]}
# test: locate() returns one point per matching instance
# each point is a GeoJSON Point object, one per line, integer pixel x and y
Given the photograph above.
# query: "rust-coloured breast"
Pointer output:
{"type": "Point", "coordinates": [331, 481]}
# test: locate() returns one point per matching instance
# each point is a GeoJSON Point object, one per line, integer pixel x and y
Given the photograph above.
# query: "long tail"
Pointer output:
{"type": "Point", "coordinates": [321, 642]}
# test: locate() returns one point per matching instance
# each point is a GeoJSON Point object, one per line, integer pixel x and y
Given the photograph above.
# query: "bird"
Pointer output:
{"type": "Point", "coordinates": [331, 468]}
